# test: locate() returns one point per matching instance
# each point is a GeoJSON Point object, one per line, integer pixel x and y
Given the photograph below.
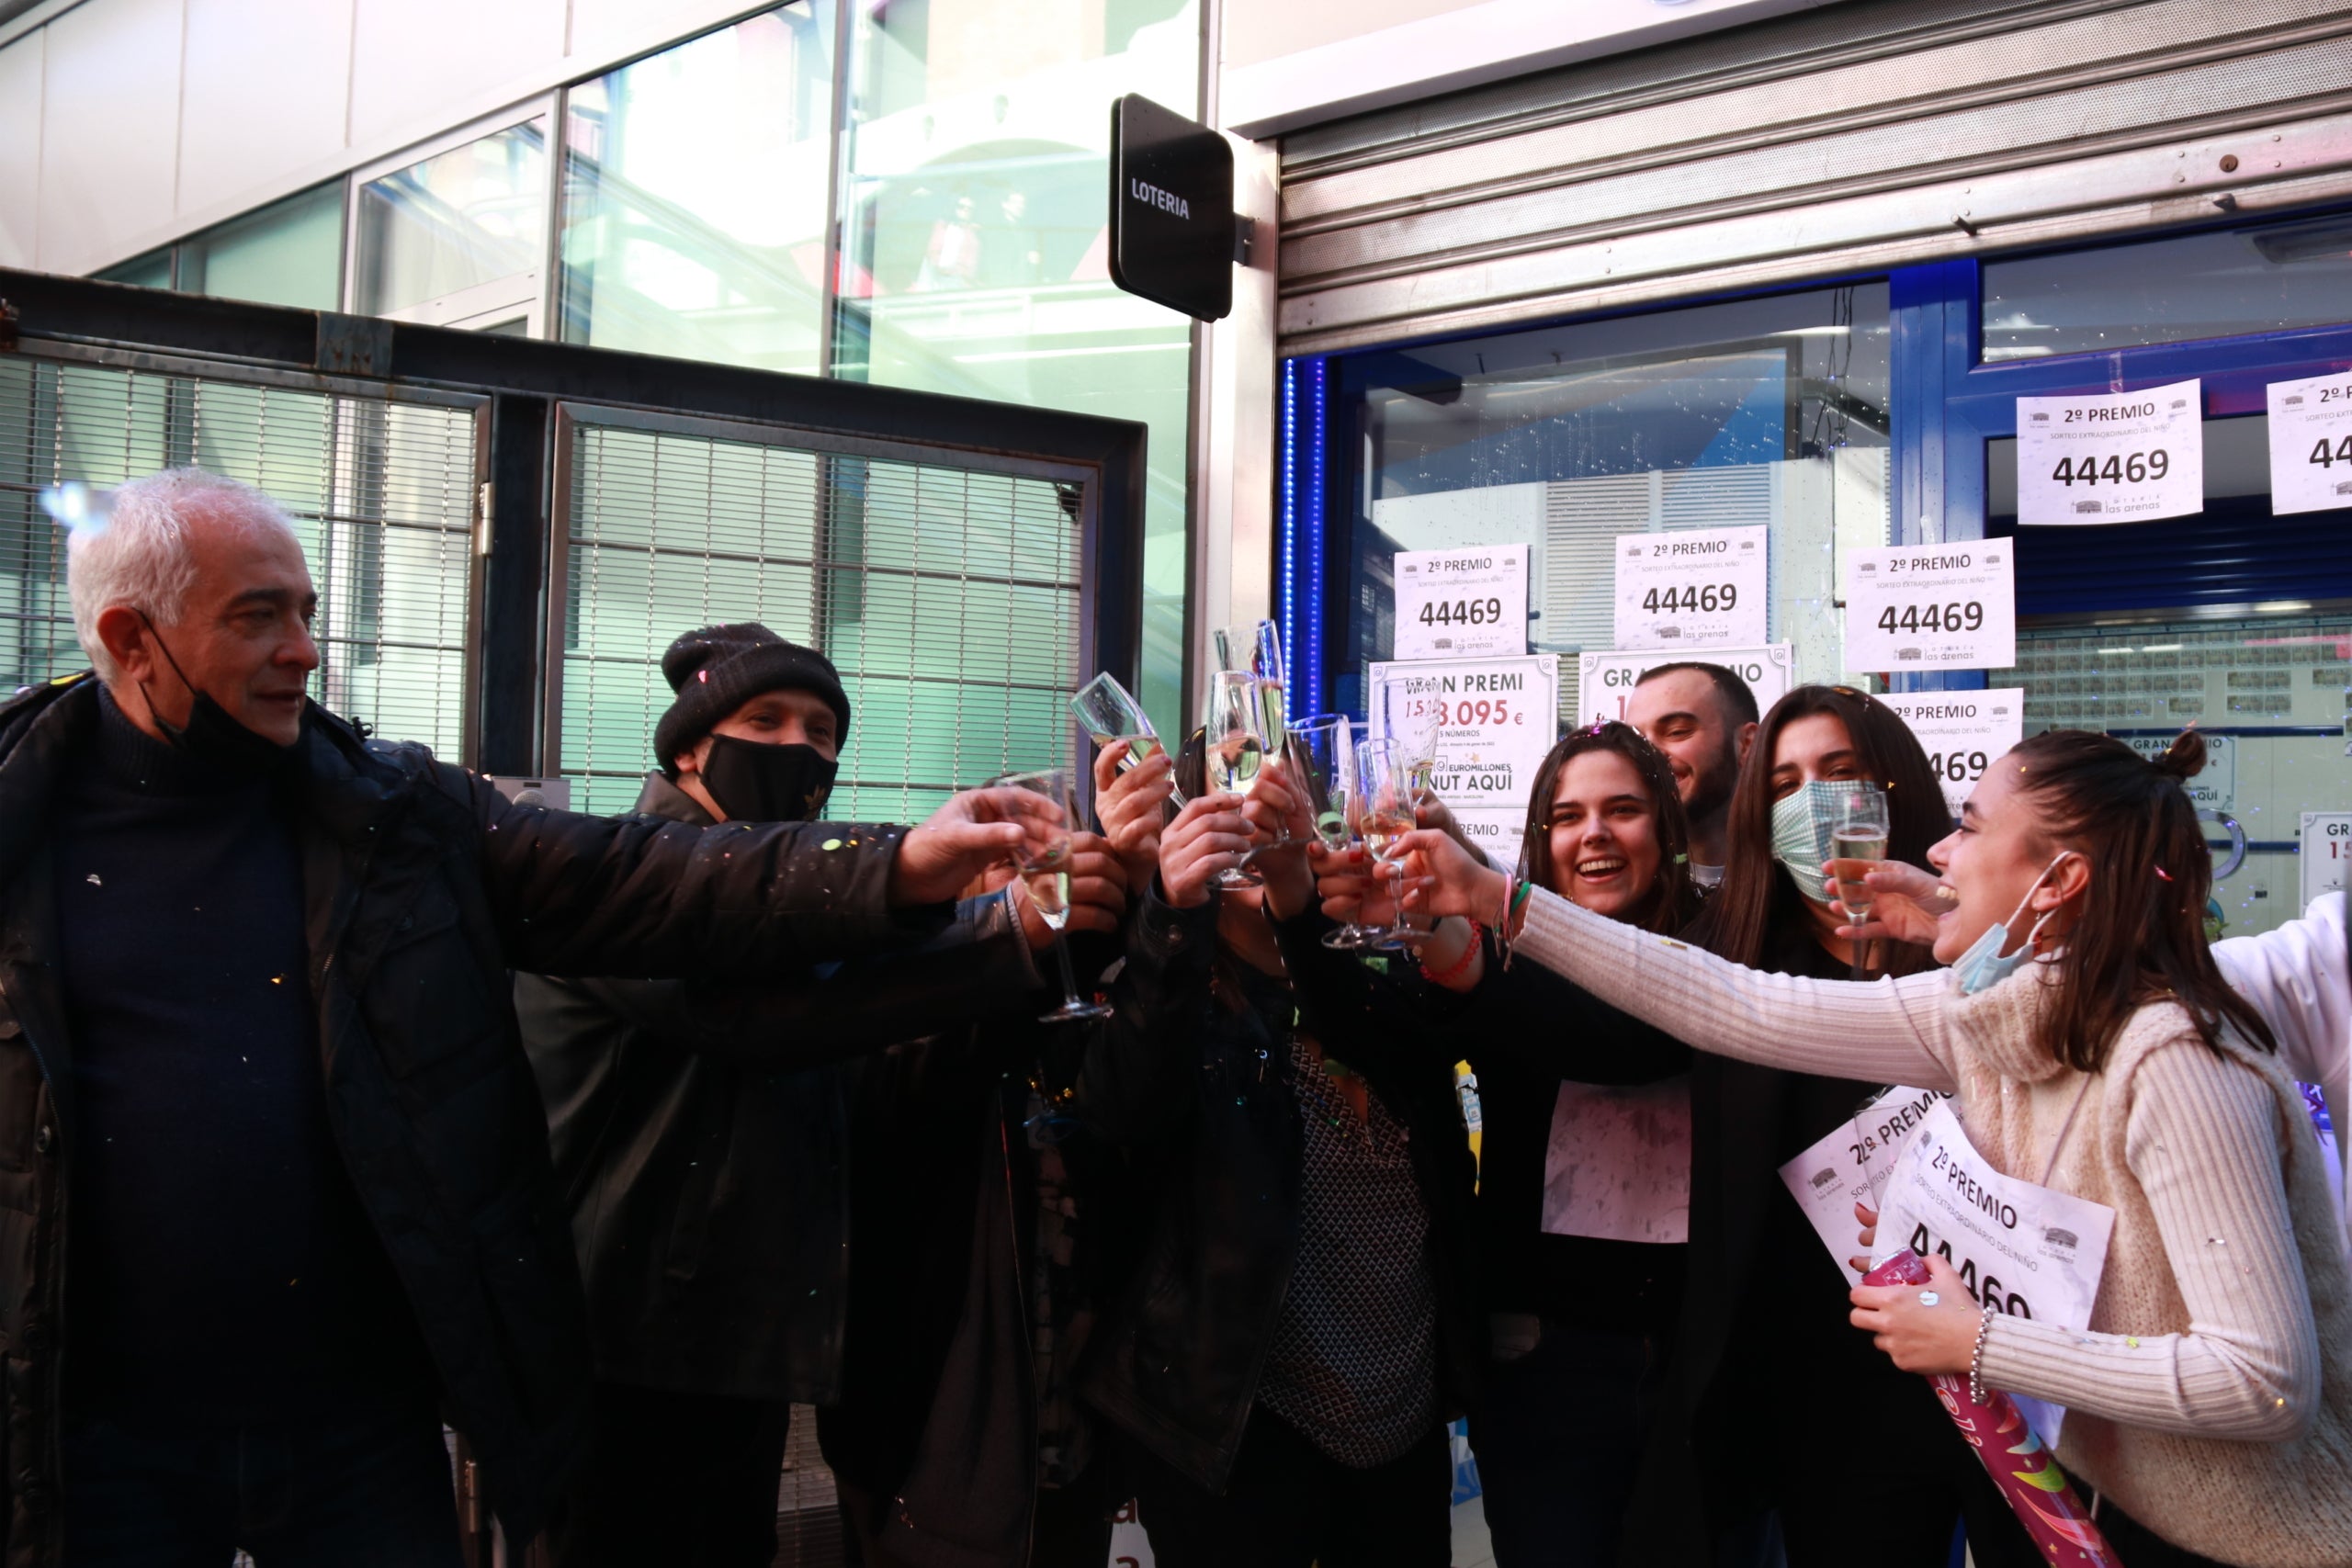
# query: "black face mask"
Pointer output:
{"type": "Point", "coordinates": [757, 783]}
{"type": "Point", "coordinates": [210, 735]}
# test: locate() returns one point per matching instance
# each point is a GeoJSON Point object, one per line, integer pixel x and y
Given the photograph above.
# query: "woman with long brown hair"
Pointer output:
{"type": "Point", "coordinates": [2092, 1045]}
{"type": "Point", "coordinates": [1584, 1173]}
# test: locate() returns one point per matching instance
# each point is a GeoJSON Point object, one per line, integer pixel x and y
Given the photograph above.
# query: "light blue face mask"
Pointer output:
{"type": "Point", "coordinates": [1802, 823]}
{"type": "Point", "coordinates": [1983, 966]}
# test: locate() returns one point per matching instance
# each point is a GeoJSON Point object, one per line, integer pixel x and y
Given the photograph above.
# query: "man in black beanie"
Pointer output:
{"type": "Point", "coordinates": [700, 1132]}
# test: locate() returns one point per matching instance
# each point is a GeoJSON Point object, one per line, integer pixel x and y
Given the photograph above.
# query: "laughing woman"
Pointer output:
{"type": "Point", "coordinates": [2210, 1395]}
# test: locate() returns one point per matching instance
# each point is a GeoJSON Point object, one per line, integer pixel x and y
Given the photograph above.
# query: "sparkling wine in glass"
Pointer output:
{"type": "Point", "coordinates": [1384, 775]}
{"type": "Point", "coordinates": [1411, 720]}
{"type": "Point", "coordinates": [1109, 712]}
{"type": "Point", "coordinates": [1233, 748]}
{"type": "Point", "coordinates": [1045, 867]}
{"type": "Point", "coordinates": [1858, 835]}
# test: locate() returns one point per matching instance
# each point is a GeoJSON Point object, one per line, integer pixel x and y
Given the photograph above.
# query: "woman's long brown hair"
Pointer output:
{"type": "Point", "coordinates": [1756, 896]}
{"type": "Point", "coordinates": [1673, 898]}
{"type": "Point", "coordinates": [2140, 935]}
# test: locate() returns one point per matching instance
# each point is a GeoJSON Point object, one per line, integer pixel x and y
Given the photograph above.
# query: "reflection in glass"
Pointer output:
{"type": "Point", "coordinates": [1770, 411]}
{"type": "Point", "coordinates": [457, 238]}
{"type": "Point", "coordinates": [289, 253]}
{"type": "Point", "coordinates": [2268, 278]}
{"type": "Point", "coordinates": [694, 196]}
{"type": "Point", "coordinates": [973, 257]}
{"type": "Point", "coordinates": [2268, 691]}
{"type": "Point", "coordinates": [153, 270]}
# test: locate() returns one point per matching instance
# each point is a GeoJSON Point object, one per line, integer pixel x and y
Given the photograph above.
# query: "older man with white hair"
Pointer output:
{"type": "Point", "coordinates": [274, 1193]}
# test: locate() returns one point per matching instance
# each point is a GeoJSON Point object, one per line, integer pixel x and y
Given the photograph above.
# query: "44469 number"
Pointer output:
{"type": "Point", "coordinates": [1954, 617]}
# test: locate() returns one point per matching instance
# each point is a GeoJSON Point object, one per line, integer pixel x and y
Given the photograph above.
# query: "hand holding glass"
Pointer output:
{"type": "Point", "coordinates": [1046, 869]}
{"type": "Point", "coordinates": [1857, 836]}
{"type": "Point", "coordinates": [1109, 712]}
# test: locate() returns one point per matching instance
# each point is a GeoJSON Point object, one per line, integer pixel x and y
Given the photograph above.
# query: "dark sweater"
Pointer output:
{"type": "Point", "coordinates": [219, 1265]}
{"type": "Point", "coordinates": [1525, 1031]}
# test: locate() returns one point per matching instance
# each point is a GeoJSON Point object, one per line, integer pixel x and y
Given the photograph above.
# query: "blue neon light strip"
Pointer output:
{"type": "Point", "coordinates": [1286, 535]}
{"type": "Point", "coordinates": [1306, 657]}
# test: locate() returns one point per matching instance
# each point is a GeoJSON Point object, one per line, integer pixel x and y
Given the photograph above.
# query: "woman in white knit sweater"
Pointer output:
{"type": "Point", "coordinates": [2211, 1397]}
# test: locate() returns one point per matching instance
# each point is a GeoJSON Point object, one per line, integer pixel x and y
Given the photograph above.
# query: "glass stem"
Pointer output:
{"type": "Point", "coordinates": [1069, 977]}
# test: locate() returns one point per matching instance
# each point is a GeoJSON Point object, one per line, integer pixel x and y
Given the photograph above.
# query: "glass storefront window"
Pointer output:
{"type": "Point", "coordinates": [2224, 282]}
{"type": "Point", "coordinates": [1770, 411]}
{"type": "Point", "coordinates": [2270, 694]}
{"type": "Point", "coordinates": [153, 270]}
{"type": "Point", "coordinates": [2221, 620]}
{"type": "Point", "coordinates": [457, 239]}
{"type": "Point", "coordinates": [696, 185]}
{"type": "Point", "coordinates": [289, 253]}
{"type": "Point", "coordinates": [973, 257]}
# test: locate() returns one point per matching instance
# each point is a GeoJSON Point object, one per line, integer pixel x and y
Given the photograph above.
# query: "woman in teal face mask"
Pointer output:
{"type": "Point", "coordinates": [1773, 1284]}
{"type": "Point", "coordinates": [2210, 1395]}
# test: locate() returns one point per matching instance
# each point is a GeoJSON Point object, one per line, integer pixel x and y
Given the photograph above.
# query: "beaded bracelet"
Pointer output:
{"type": "Point", "coordinates": [1976, 1359]}
{"type": "Point", "coordinates": [1454, 970]}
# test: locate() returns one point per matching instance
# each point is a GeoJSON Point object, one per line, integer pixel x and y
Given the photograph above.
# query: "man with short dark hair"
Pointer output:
{"type": "Point", "coordinates": [275, 1173]}
{"type": "Point", "coordinates": [703, 1139]}
{"type": "Point", "coordinates": [1703, 718]}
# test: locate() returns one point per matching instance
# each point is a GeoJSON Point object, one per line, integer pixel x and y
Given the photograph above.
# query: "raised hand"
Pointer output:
{"type": "Point", "coordinates": [1277, 806]}
{"type": "Point", "coordinates": [1132, 806]}
{"type": "Point", "coordinates": [1350, 886]}
{"type": "Point", "coordinates": [1208, 836]}
{"type": "Point", "coordinates": [1905, 902]}
{"type": "Point", "coordinates": [1098, 892]}
{"type": "Point", "coordinates": [969, 833]}
{"type": "Point", "coordinates": [1442, 877]}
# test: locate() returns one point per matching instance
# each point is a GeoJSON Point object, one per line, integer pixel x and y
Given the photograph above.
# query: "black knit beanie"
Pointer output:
{"type": "Point", "coordinates": [718, 668]}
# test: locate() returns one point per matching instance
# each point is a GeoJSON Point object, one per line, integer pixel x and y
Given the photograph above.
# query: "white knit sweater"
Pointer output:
{"type": "Point", "coordinates": [2212, 1393]}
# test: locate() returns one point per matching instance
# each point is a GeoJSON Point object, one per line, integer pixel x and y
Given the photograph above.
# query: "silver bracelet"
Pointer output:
{"type": "Point", "coordinates": [1976, 1360]}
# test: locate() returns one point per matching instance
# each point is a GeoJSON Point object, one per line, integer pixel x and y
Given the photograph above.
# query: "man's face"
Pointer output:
{"type": "Point", "coordinates": [786, 717]}
{"type": "Point", "coordinates": [1684, 715]}
{"type": "Point", "coordinates": [242, 638]}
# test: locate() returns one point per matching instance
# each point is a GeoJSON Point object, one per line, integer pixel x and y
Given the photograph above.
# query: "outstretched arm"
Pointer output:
{"type": "Point", "coordinates": [1883, 1031]}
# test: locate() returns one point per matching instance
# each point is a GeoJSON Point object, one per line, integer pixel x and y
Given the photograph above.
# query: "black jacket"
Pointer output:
{"type": "Point", "coordinates": [422, 886]}
{"type": "Point", "coordinates": [1764, 1319]}
{"type": "Point", "coordinates": [938, 1424]}
{"type": "Point", "coordinates": [1525, 1031]}
{"type": "Point", "coordinates": [1198, 1093]}
{"type": "Point", "coordinates": [700, 1140]}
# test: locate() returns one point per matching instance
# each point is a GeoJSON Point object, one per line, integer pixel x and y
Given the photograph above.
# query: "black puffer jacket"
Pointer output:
{"type": "Point", "coordinates": [700, 1142]}
{"type": "Point", "coordinates": [1200, 1094]}
{"type": "Point", "coordinates": [422, 886]}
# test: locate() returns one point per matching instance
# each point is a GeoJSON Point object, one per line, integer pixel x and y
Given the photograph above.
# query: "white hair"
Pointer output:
{"type": "Point", "coordinates": [140, 557]}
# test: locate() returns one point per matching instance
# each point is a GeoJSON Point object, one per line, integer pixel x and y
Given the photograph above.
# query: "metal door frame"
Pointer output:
{"type": "Point", "coordinates": [525, 386]}
{"type": "Point", "coordinates": [571, 416]}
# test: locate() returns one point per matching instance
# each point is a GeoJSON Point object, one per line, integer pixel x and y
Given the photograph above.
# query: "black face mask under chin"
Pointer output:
{"type": "Point", "coordinates": [210, 735]}
{"type": "Point", "coordinates": [756, 783]}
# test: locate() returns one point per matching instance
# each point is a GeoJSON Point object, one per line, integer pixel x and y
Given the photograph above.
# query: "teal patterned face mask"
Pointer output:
{"type": "Point", "coordinates": [1802, 824]}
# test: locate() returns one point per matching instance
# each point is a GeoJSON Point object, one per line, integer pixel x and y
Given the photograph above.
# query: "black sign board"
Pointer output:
{"type": "Point", "coordinates": [1172, 209]}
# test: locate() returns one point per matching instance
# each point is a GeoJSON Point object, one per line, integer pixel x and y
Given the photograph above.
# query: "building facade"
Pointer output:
{"type": "Point", "coordinates": [1522, 273]}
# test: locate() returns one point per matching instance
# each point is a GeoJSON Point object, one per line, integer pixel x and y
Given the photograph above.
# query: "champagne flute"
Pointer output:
{"type": "Point", "coordinates": [1326, 746]}
{"type": "Point", "coordinates": [1109, 712]}
{"type": "Point", "coordinates": [1858, 835]}
{"type": "Point", "coordinates": [1384, 776]}
{"type": "Point", "coordinates": [1047, 869]}
{"type": "Point", "coordinates": [1411, 720]}
{"type": "Point", "coordinates": [1234, 749]}
{"type": "Point", "coordinates": [1257, 650]}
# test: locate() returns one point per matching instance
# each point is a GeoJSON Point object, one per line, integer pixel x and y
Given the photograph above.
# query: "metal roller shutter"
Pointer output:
{"type": "Point", "coordinates": [1861, 136]}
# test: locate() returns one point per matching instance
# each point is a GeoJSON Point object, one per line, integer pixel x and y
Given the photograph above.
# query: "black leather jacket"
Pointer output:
{"type": "Point", "coordinates": [422, 885]}
{"type": "Point", "coordinates": [701, 1138]}
{"type": "Point", "coordinates": [1200, 1093]}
